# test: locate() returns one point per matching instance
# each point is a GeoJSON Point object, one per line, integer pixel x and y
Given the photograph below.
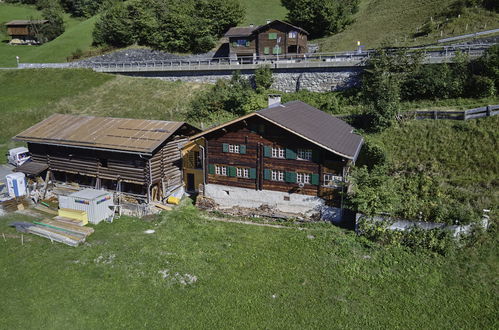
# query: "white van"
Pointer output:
{"type": "Point", "coordinates": [18, 156]}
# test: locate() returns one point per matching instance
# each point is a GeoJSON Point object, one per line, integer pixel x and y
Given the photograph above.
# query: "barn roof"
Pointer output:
{"type": "Point", "coordinates": [261, 27]}
{"type": "Point", "coordinates": [26, 22]}
{"type": "Point", "coordinates": [310, 123]}
{"type": "Point", "coordinates": [113, 134]}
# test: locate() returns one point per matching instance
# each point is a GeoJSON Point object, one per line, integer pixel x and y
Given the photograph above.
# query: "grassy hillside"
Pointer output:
{"type": "Point", "coordinates": [78, 35]}
{"type": "Point", "coordinates": [395, 21]}
{"type": "Point", "coordinates": [258, 11]}
{"type": "Point", "coordinates": [28, 96]}
{"type": "Point", "coordinates": [192, 273]}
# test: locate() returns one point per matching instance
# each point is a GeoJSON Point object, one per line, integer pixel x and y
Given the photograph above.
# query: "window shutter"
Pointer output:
{"type": "Point", "coordinates": [316, 155]}
{"type": "Point", "coordinates": [211, 169]}
{"type": "Point", "coordinates": [266, 174]}
{"type": "Point", "coordinates": [314, 179]}
{"type": "Point", "coordinates": [232, 171]}
{"type": "Point", "coordinates": [272, 36]}
{"type": "Point", "coordinates": [290, 154]}
{"type": "Point", "coordinates": [234, 44]}
{"type": "Point", "coordinates": [242, 149]}
{"type": "Point", "coordinates": [225, 147]}
{"type": "Point", "coordinates": [290, 177]}
{"type": "Point", "coordinates": [267, 151]}
{"type": "Point", "coordinates": [247, 43]}
{"type": "Point", "coordinates": [252, 173]}
{"type": "Point", "coordinates": [266, 50]}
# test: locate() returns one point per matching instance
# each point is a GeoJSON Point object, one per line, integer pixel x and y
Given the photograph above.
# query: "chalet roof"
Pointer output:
{"type": "Point", "coordinates": [26, 22]}
{"type": "Point", "coordinates": [310, 123]}
{"type": "Point", "coordinates": [261, 27]}
{"type": "Point", "coordinates": [246, 31]}
{"type": "Point", "coordinates": [239, 31]}
{"type": "Point", "coordinates": [105, 133]}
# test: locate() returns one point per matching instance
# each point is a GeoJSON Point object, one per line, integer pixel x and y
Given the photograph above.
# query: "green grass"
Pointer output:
{"type": "Point", "coordinates": [259, 11]}
{"type": "Point", "coordinates": [28, 96]}
{"type": "Point", "coordinates": [394, 22]}
{"type": "Point", "coordinates": [78, 35]}
{"type": "Point", "coordinates": [247, 277]}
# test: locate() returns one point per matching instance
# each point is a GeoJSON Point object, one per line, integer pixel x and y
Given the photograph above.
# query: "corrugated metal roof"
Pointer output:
{"type": "Point", "coordinates": [130, 135]}
{"type": "Point", "coordinates": [315, 125]}
{"type": "Point", "coordinates": [89, 194]}
{"type": "Point", "coordinates": [31, 168]}
{"type": "Point", "coordinates": [26, 22]}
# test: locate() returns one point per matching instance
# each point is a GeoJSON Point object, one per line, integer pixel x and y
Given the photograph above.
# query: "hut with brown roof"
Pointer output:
{"type": "Point", "coordinates": [133, 156]}
{"type": "Point", "coordinates": [276, 38]}
{"type": "Point", "coordinates": [24, 30]}
{"type": "Point", "coordinates": [292, 157]}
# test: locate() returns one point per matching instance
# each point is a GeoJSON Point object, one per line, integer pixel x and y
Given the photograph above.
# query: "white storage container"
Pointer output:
{"type": "Point", "coordinates": [97, 203]}
{"type": "Point", "coordinates": [16, 183]}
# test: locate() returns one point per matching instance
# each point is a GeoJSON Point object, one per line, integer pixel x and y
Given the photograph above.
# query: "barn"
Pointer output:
{"type": "Point", "coordinates": [138, 157]}
{"type": "Point", "coordinates": [292, 157]}
{"type": "Point", "coordinates": [25, 30]}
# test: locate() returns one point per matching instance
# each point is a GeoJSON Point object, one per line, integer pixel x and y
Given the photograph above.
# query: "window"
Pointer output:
{"type": "Point", "coordinates": [303, 178]}
{"type": "Point", "coordinates": [277, 152]}
{"type": "Point", "coordinates": [242, 43]}
{"type": "Point", "coordinates": [221, 170]}
{"type": "Point", "coordinates": [272, 36]}
{"type": "Point", "coordinates": [277, 50]}
{"type": "Point", "coordinates": [331, 180]}
{"type": "Point", "coordinates": [242, 172]}
{"type": "Point", "coordinates": [292, 34]}
{"type": "Point", "coordinates": [304, 154]}
{"type": "Point", "coordinates": [266, 50]}
{"type": "Point", "coordinates": [234, 148]}
{"type": "Point", "coordinates": [277, 175]}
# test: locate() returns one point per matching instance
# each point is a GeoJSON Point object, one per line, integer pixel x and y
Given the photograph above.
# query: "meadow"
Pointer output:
{"type": "Point", "coordinates": [198, 273]}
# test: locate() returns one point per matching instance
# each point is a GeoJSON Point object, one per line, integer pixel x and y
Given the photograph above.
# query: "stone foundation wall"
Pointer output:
{"type": "Point", "coordinates": [285, 80]}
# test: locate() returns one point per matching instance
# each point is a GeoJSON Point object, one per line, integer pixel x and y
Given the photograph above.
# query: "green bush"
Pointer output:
{"type": "Point", "coordinates": [480, 86]}
{"type": "Point", "coordinates": [263, 78]}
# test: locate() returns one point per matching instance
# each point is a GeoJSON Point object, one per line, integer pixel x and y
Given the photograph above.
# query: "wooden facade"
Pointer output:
{"type": "Point", "coordinates": [277, 38]}
{"type": "Point", "coordinates": [24, 29]}
{"type": "Point", "coordinates": [256, 138]}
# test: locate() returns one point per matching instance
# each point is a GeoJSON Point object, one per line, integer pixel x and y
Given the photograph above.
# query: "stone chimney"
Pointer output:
{"type": "Point", "coordinates": [274, 100]}
{"type": "Point", "coordinates": [252, 25]}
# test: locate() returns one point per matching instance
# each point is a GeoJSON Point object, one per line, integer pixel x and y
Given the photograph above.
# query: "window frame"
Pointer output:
{"type": "Point", "coordinates": [277, 175]}
{"type": "Point", "coordinates": [242, 172]}
{"type": "Point", "coordinates": [304, 154]}
{"type": "Point", "coordinates": [234, 148]}
{"type": "Point", "coordinates": [336, 180]}
{"type": "Point", "coordinates": [304, 178]}
{"type": "Point", "coordinates": [221, 170]}
{"type": "Point", "coordinates": [278, 152]}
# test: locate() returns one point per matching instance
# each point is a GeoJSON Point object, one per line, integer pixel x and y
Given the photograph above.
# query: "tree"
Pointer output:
{"type": "Point", "coordinates": [52, 12]}
{"type": "Point", "coordinates": [263, 78]}
{"type": "Point", "coordinates": [321, 17]}
{"type": "Point", "coordinates": [114, 27]}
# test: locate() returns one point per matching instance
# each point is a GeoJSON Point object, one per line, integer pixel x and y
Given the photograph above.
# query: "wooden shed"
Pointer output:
{"type": "Point", "coordinates": [133, 156]}
{"type": "Point", "coordinates": [24, 29]}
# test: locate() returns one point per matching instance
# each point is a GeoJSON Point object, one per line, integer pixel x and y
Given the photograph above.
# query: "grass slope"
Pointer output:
{"type": "Point", "coordinates": [78, 35]}
{"type": "Point", "coordinates": [247, 277]}
{"type": "Point", "coordinates": [259, 11]}
{"type": "Point", "coordinates": [395, 21]}
{"type": "Point", "coordinates": [28, 96]}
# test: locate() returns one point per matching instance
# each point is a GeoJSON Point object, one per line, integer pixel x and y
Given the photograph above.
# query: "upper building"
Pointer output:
{"type": "Point", "coordinates": [276, 38]}
{"type": "Point", "coordinates": [291, 156]}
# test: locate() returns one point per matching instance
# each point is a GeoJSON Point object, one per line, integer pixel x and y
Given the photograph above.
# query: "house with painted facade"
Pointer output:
{"type": "Point", "coordinates": [291, 157]}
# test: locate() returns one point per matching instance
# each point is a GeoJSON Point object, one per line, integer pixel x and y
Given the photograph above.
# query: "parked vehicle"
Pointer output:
{"type": "Point", "coordinates": [18, 156]}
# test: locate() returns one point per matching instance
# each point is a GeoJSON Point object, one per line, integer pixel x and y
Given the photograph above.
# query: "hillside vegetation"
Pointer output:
{"type": "Point", "coordinates": [78, 35]}
{"type": "Point", "coordinates": [395, 22]}
{"type": "Point", "coordinates": [259, 11]}
{"type": "Point", "coordinates": [194, 273]}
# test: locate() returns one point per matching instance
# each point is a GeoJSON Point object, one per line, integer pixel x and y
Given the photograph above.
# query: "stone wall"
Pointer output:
{"type": "Point", "coordinates": [285, 80]}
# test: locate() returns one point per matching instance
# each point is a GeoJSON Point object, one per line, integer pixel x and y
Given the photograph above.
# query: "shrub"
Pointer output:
{"type": "Point", "coordinates": [263, 78]}
{"type": "Point", "coordinates": [480, 86]}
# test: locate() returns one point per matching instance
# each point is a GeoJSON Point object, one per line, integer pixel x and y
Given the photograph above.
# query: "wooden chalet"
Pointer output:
{"type": "Point", "coordinates": [284, 153]}
{"type": "Point", "coordinates": [134, 156]}
{"type": "Point", "coordinates": [24, 29]}
{"type": "Point", "coordinates": [276, 38]}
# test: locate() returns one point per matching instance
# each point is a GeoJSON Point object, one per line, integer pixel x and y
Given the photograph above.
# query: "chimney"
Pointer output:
{"type": "Point", "coordinates": [252, 25]}
{"type": "Point", "coordinates": [274, 100]}
{"type": "Point", "coordinates": [268, 21]}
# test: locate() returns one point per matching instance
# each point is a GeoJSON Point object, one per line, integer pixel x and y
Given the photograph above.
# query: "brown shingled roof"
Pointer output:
{"type": "Point", "coordinates": [26, 22]}
{"type": "Point", "coordinates": [310, 123]}
{"type": "Point", "coordinates": [127, 135]}
{"type": "Point", "coordinates": [240, 31]}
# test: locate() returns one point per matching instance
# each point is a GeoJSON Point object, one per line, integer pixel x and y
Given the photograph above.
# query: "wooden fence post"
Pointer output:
{"type": "Point", "coordinates": [435, 114]}
{"type": "Point", "coordinates": [489, 111]}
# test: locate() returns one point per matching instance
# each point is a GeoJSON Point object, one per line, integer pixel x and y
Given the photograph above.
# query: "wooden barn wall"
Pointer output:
{"type": "Point", "coordinates": [243, 50]}
{"type": "Point", "coordinates": [94, 163]}
{"type": "Point", "coordinates": [244, 133]}
{"type": "Point", "coordinates": [166, 164]}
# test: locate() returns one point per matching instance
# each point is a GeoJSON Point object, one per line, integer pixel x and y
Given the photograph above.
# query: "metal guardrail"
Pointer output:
{"type": "Point", "coordinates": [434, 54]}
{"type": "Point", "coordinates": [470, 35]}
{"type": "Point", "coordinates": [488, 111]}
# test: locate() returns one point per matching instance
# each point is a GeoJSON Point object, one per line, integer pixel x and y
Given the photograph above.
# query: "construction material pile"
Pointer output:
{"type": "Point", "coordinates": [59, 229]}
